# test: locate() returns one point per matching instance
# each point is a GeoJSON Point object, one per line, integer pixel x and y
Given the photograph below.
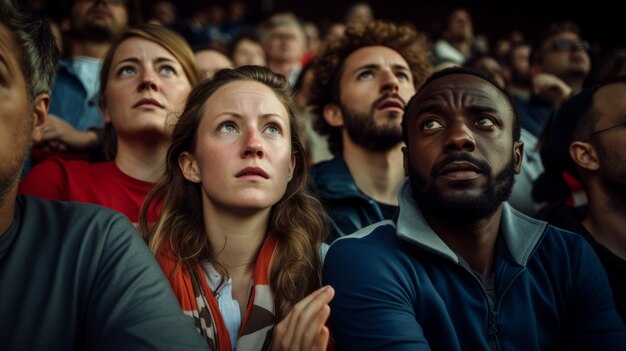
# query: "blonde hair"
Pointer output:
{"type": "Point", "coordinates": [297, 220]}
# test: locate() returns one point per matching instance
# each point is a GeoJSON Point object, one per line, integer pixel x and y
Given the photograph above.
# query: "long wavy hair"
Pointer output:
{"type": "Point", "coordinates": [297, 219]}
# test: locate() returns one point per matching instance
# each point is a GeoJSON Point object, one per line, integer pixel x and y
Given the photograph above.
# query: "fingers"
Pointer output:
{"type": "Point", "coordinates": [311, 329]}
{"type": "Point", "coordinates": [321, 340]}
{"type": "Point", "coordinates": [303, 327]}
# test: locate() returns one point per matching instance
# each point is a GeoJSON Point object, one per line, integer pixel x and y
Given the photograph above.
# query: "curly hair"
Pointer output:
{"type": "Point", "coordinates": [328, 66]}
{"type": "Point", "coordinates": [297, 219]}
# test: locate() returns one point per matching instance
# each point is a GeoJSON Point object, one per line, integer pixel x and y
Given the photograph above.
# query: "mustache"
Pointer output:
{"type": "Point", "coordinates": [482, 165]}
{"type": "Point", "coordinates": [385, 97]}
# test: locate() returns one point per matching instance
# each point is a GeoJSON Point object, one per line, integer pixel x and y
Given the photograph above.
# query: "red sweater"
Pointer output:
{"type": "Point", "coordinates": [97, 183]}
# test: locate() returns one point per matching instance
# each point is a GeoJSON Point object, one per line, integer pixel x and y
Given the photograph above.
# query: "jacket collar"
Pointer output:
{"type": "Point", "coordinates": [333, 179]}
{"type": "Point", "coordinates": [520, 233]}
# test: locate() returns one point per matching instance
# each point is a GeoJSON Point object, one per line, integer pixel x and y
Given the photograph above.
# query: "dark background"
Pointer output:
{"type": "Point", "coordinates": [601, 21]}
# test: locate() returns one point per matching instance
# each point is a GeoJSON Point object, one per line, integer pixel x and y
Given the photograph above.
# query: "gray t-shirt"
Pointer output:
{"type": "Point", "coordinates": [76, 276]}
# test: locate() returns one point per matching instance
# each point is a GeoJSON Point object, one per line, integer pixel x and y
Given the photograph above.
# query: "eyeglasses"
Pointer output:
{"type": "Point", "coordinates": [569, 45]}
{"type": "Point", "coordinates": [606, 129]}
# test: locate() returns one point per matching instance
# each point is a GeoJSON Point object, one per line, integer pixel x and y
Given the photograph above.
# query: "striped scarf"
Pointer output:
{"type": "Point", "coordinates": [197, 300]}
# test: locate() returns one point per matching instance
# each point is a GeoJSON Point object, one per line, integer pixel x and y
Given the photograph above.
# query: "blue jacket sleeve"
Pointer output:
{"type": "Point", "coordinates": [373, 308]}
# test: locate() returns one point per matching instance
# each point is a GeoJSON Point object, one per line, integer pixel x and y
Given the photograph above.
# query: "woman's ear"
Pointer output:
{"type": "Point", "coordinates": [584, 155]}
{"type": "Point", "coordinates": [189, 167]}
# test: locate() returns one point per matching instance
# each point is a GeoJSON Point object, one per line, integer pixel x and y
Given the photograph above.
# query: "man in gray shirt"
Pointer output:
{"type": "Point", "coordinates": [72, 276]}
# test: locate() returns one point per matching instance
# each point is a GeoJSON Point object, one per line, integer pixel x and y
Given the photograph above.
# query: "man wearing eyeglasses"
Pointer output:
{"type": "Point", "coordinates": [587, 140]}
{"type": "Point", "coordinates": [75, 120]}
{"type": "Point", "coordinates": [559, 66]}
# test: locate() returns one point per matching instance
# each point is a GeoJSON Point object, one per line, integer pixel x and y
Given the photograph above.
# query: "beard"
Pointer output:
{"type": "Point", "coordinates": [364, 131]}
{"type": "Point", "coordinates": [464, 208]}
{"type": "Point", "coordinates": [11, 169]}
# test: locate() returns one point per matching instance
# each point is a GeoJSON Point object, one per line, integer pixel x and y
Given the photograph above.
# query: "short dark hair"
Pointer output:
{"type": "Point", "coordinates": [37, 51]}
{"type": "Point", "coordinates": [517, 129]}
{"type": "Point", "coordinates": [328, 66]}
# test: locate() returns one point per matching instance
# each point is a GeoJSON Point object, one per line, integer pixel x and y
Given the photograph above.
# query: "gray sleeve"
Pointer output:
{"type": "Point", "coordinates": [131, 305]}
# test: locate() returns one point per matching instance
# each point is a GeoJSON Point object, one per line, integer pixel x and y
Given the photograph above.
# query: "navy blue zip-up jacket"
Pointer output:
{"type": "Point", "coordinates": [348, 208]}
{"type": "Point", "coordinates": [400, 287]}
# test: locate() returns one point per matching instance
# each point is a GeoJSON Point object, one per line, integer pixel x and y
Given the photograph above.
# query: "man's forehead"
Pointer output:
{"type": "Point", "coordinates": [7, 45]}
{"type": "Point", "coordinates": [464, 88]}
{"type": "Point", "coordinates": [375, 55]}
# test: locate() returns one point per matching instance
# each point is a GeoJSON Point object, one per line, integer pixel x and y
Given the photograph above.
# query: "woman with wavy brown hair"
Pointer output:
{"type": "Point", "coordinates": [239, 237]}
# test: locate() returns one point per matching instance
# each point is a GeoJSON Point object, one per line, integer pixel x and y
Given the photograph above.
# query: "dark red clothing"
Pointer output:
{"type": "Point", "coordinates": [99, 183]}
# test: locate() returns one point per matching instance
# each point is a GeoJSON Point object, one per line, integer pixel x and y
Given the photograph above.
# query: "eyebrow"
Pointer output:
{"type": "Point", "coordinates": [396, 66]}
{"type": "Point", "coordinates": [239, 116]}
{"type": "Point", "coordinates": [436, 108]}
{"type": "Point", "coordinates": [137, 61]}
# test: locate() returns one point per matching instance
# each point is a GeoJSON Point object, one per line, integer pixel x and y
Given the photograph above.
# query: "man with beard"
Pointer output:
{"type": "Point", "coordinates": [72, 276]}
{"type": "Point", "coordinates": [459, 269]}
{"type": "Point", "coordinates": [75, 120]}
{"type": "Point", "coordinates": [362, 83]}
{"type": "Point", "coordinates": [584, 140]}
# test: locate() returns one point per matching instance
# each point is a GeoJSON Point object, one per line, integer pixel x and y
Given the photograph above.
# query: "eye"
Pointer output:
{"type": "Point", "coordinates": [431, 124]}
{"type": "Point", "coordinates": [273, 129]}
{"type": "Point", "coordinates": [484, 122]}
{"type": "Point", "coordinates": [402, 75]}
{"type": "Point", "coordinates": [227, 127]}
{"type": "Point", "coordinates": [126, 71]}
{"type": "Point", "coordinates": [167, 70]}
{"type": "Point", "coordinates": [365, 74]}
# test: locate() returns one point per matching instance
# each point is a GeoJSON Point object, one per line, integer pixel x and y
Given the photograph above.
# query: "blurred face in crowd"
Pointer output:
{"type": "Point", "coordinates": [564, 56]}
{"type": "Point", "coordinates": [211, 61]}
{"type": "Point", "coordinates": [248, 52]}
{"type": "Point", "coordinates": [460, 25]}
{"type": "Point", "coordinates": [98, 20]}
{"type": "Point", "coordinates": [285, 44]}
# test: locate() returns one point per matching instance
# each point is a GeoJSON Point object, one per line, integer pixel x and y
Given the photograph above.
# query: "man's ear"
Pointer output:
{"type": "Point", "coordinates": [518, 154]}
{"type": "Point", "coordinates": [332, 115]}
{"type": "Point", "coordinates": [189, 166]}
{"type": "Point", "coordinates": [40, 113]}
{"type": "Point", "coordinates": [584, 155]}
{"type": "Point", "coordinates": [405, 162]}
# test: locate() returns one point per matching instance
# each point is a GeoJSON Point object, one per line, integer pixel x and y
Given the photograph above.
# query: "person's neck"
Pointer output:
{"type": "Point", "coordinates": [606, 222]}
{"type": "Point", "coordinates": [141, 161]}
{"type": "Point", "coordinates": [7, 209]}
{"type": "Point", "coordinates": [378, 175]}
{"type": "Point", "coordinates": [89, 48]}
{"type": "Point", "coordinates": [576, 83]}
{"type": "Point", "coordinates": [474, 241]}
{"type": "Point", "coordinates": [235, 237]}
{"type": "Point", "coordinates": [464, 46]}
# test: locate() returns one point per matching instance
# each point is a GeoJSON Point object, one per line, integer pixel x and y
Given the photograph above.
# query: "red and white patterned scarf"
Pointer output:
{"type": "Point", "coordinates": [196, 299]}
